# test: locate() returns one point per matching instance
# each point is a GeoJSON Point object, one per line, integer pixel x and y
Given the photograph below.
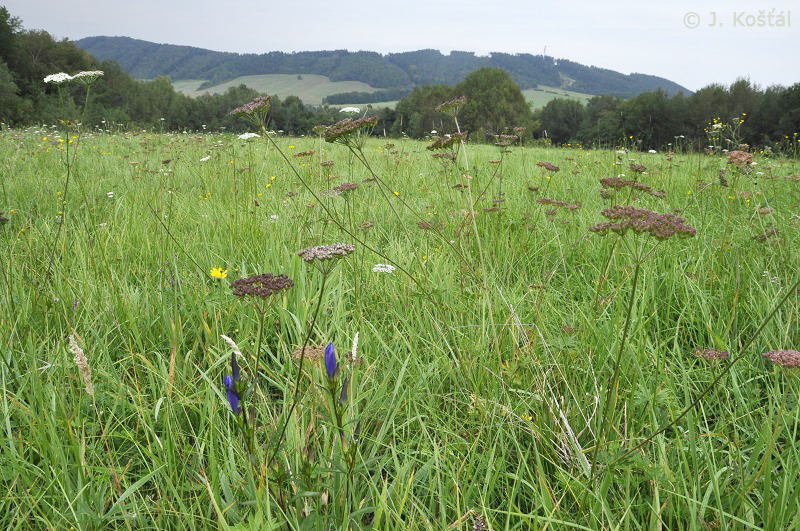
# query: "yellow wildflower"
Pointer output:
{"type": "Point", "coordinates": [219, 273]}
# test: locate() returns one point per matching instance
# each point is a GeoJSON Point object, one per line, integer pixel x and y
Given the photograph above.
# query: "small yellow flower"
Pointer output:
{"type": "Point", "coordinates": [272, 178]}
{"type": "Point", "coordinates": [219, 273]}
{"type": "Point", "coordinates": [291, 147]}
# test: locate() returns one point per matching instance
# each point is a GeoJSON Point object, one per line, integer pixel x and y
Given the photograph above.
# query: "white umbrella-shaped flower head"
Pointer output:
{"type": "Point", "coordinates": [61, 77]}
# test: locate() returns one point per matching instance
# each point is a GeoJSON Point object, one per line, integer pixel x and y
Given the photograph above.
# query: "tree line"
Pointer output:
{"type": "Point", "coordinates": [714, 117]}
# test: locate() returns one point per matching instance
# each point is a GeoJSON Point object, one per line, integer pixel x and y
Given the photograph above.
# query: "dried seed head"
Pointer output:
{"type": "Point", "coordinates": [430, 225]}
{"type": "Point", "coordinates": [660, 226]}
{"type": "Point", "coordinates": [548, 166]}
{"type": "Point", "coordinates": [312, 353]}
{"type": "Point", "coordinates": [562, 204]}
{"type": "Point", "coordinates": [345, 187]}
{"type": "Point", "coordinates": [711, 354]}
{"type": "Point", "coordinates": [342, 131]}
{"type": "Point", "coordinates": [262, 286]}
{"type": "Point", "coordinates": [638, 168]}
{"type": "Point", "coordinates": [260, 105]}
{"type": "Point", "coordinates": [784, 358]}
{"type": "Point", "coordinates": [453, 106]}
{"type": "Point", "coordinates": [740, 158]}
{"type": "Point", "coordinates": [448, 142]}
{"type": "Point", "coordinates": [723, 181]}
{"type": "Point", "coordinates": [330, 252]}
{"type": "Point", "coordinates": [617, 183]}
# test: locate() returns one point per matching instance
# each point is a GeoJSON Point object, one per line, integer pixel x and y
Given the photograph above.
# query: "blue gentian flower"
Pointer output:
{"type": "Point", "coordinates": [330, 361]}
{"type": "Point", "coordinates": [343, 395]}
{"type": "Point", "coordinates": [230, 385]}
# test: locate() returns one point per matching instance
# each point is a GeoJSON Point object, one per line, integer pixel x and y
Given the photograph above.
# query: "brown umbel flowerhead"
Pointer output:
{"type": "Point", "coordinates": [711, 354]}
{"type": "Point", "coordinates": [259, 105]}
{"type": "Point", "coordinates": [453, 106]}
{"type": "Point", "coordinates": [660, 226]}
{"type": "Point", "coordinates": [638, 168]}
{"type": "Point", "coordinates": [325, 257]}
{"type": "Point", "coordinates": [342, 131]}
{"type": "Point", "coordinates": [262, 286]}
{"type": "Point", "coordinates": [345, 187]}
{"type": "Point", "coordinates": [784, 358]}
{"type": "Point", "coordinates": [448, 142]}
{"type": "Point", "coordinates": [312, 353]}
{"type": "Point", "coordinates": [740, 158]}
{"type": "Point", "coordinates": [548, 166]}
{"type": "Point", "coordinates": [562, 204]}
{"type": "Point", "coordinates": [618, 183]}
{"type": "Point", "coordinates": [326, 252]}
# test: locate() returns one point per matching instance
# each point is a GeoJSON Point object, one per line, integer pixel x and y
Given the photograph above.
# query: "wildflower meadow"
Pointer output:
{"type": "Point", "coordinates": [345, 331]}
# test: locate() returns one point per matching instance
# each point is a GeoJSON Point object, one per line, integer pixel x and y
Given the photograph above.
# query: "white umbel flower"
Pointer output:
{"type": "Point", "coordinates": [61, 77]}
{"type": "Point", "coordinates": [383, 268]}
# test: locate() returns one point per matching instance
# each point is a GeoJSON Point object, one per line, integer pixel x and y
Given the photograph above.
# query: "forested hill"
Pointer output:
{"type": "Point", "coordinates": [148, 60]}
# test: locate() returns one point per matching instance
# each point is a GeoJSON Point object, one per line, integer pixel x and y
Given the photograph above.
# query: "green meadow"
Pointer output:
{"type": "Point", "coordinates": [313, 88]}
{"type": "Point", "coordinates": [513, 368]}
{"type": "Point", "coordinates": [310, 88]}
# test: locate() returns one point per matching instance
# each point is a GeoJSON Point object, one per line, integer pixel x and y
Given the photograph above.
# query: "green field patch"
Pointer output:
{"type": "Point", "coordinates": [541, 95]}
{"type": "Point", "coordinates": [310, 88]}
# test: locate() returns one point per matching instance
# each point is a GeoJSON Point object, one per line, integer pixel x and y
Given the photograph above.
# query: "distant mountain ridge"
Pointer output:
{"type": "Point", "coordinates": [148, 60]}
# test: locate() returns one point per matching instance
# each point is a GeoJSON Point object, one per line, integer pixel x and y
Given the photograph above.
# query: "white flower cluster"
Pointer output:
{"type": "Point", "coordinates": [248, 136]}
{"type": "Point", "coordinates": [354, 110]}
{"type": "Point", "coordinates": [89, 74]}
{"type": "Point", "coordinates": [63, 77]}
{"type": "Point", "coordinates": [383, 268]}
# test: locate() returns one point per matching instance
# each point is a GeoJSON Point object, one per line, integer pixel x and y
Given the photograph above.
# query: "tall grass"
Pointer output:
{"type": "Point", "coordinates": [484, 382]}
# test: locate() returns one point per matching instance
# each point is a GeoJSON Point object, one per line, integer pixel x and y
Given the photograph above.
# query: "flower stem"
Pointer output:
{"type": "Point", "coordinates": [611, 393]}
{"type": "Point", "coordinates": [295, 399]}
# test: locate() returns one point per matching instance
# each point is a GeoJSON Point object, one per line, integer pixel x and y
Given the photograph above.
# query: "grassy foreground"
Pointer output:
{"type": "Point", "coordinates": [514, 371]}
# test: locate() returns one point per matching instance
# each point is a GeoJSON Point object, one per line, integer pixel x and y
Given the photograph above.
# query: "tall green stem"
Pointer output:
{"type": "Point", "coordinates": [611, 393]}
{"type": "Point", "coordinates": [277, 443]}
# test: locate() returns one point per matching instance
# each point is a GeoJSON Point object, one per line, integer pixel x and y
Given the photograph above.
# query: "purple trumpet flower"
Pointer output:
{"type": "Point", "coordinates": [331, 365]}
{"type": "Point", "coordinates": [230, 385]}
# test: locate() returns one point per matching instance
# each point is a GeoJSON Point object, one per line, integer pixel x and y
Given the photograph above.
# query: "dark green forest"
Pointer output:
{"type": "Point", "coordinates": [396, 71]}
{"type": "Point", "coordinates": [714, 117]}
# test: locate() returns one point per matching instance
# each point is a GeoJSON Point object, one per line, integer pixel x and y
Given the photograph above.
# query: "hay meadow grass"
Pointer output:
{"type": "Point", "coordinates": [486, 356]}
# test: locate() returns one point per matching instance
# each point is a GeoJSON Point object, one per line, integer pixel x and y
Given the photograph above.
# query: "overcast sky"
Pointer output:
{"type": "Point", "coordinates": [625, 36]}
